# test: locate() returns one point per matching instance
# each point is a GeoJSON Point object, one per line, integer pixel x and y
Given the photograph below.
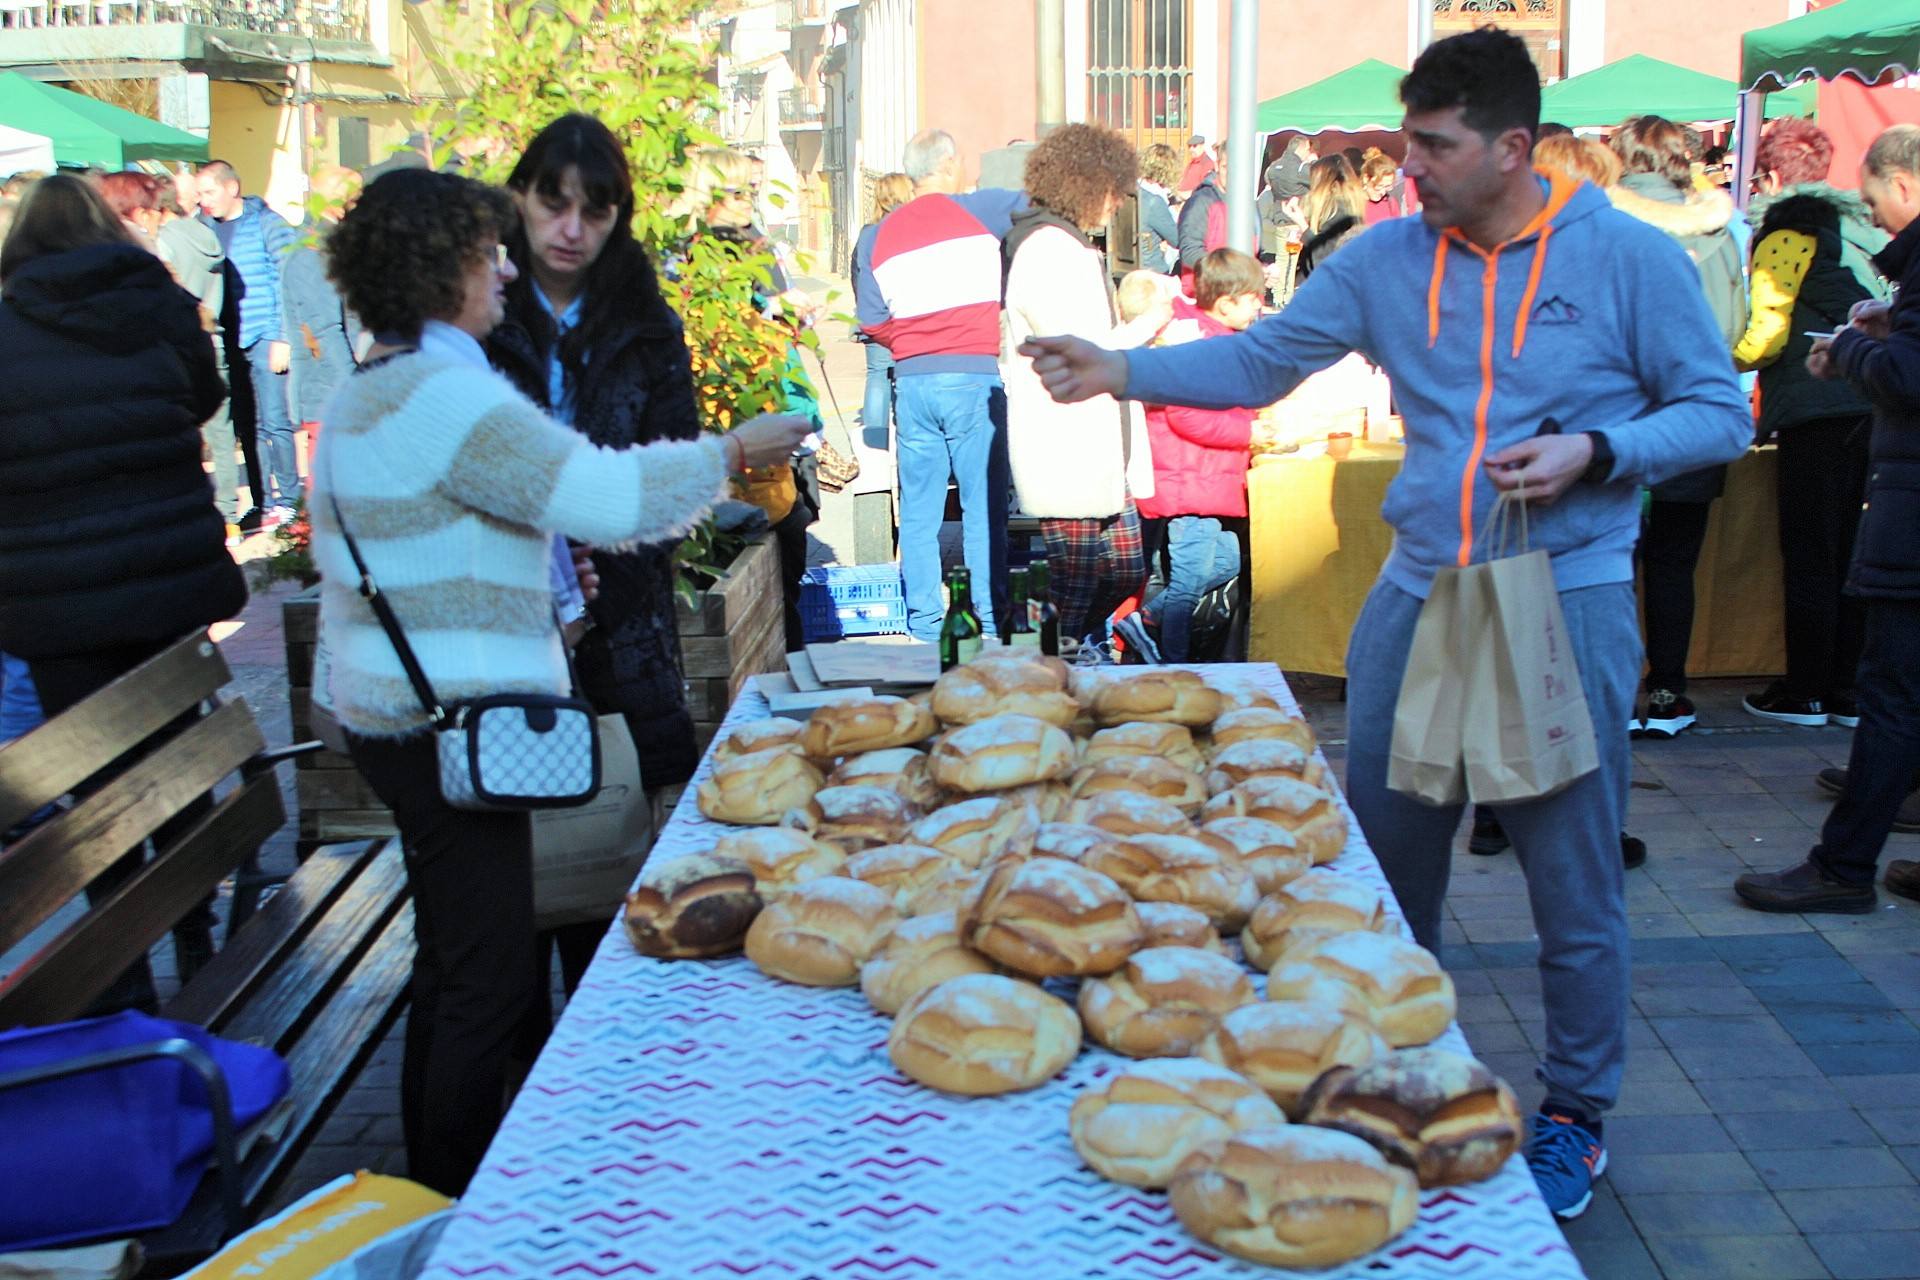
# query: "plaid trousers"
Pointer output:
{"type": "Point", "coordinates": [1094, 564]}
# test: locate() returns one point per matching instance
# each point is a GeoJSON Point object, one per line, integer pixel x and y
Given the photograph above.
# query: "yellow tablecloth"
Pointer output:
{"type": "Point", "coordinates": [1318, 543]}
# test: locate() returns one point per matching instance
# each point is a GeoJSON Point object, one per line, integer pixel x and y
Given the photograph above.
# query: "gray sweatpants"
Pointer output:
{"type": "Point", "coordinates": [1568, 844]}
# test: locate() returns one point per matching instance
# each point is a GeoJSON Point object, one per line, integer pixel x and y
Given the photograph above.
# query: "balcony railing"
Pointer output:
{"type": "Point", "coordinates": [321, 19]}
{"type": "Point", "coordinates": [788, 14]}
{"type": "Point", "coordinates": [801, 109]}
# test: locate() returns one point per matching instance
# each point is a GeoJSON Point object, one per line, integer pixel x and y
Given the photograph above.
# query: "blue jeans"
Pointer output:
{"type": "Point", "coordinates": [1204, 556]}
{"type": "Point", "coordinates": [877, 411]}
{"type": "Point", "coordinates": [275, 426]}
{"type": "Point", "coordinates": [951, 424]}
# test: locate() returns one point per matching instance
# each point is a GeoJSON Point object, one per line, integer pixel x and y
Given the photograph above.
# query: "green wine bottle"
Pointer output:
{"type": "Point", "coordinates": [1042, 616]}
{"type": "Point", "coordinates": [961, 634]}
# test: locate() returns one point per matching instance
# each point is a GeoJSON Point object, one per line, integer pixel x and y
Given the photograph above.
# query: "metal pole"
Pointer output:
{"type": "Point", "coordinates": [1747, 123]}
{"type": "Point", "coordinates": [1050, 65]}
{"type": "Point", "coordinates": [1244, 145]}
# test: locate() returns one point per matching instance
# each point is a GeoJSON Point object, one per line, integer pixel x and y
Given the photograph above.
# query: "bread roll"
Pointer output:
{"type": "Point", "coordinates": [1071, 841]}
{"type": "Point", "coordinates": [1318, 824]}
{"type": "Point", "coordinates": [819, 933]}
{"type": "Point", "coordinates": [1147, 1117]}
{"type": "Point", "coordinates": [1126, 813]}
{"type": "Point", "coordinates": [1005, 686]}
{"type": "Point", "coordinates": [1237, 695]}
{"type": "Point", "coordinates": [1284, 1048]}
{"type": "Point", "coordinates": [1293, 1196]}
{"type": "Point", "coordinates": [780, 857]}
{"type": "Point", "coordinates": [903, 870]}
{"type": "Point", "coordinates": [759, 735]}
{"type": "Point", "coordinates": [1266, 758]}
{"type": "Point", "coordinates": [1152, 776]}
{"type": "Point", "coordinates": [855, 818]}
{"type": "Point", "coordinates": [1183, 870]}
{"type": "Point", "coordinates": [1046, 800]}
{"type": "Point", "coordinates": [1321, 901]}
{"type": "Point", "coordinates": [1003, 752]}
{"type": "Point", "coordinates": [698, 905]}
{"type": "Point", "coordinates": [1444, 1116]}
{"type": "Point", "coordinates": [1163, 696]}
{"type": "Point", "coordinates": [1267, 850]}
{"type": "Point", "coordinates": [901, 769]}
{"type": "Point", "coordinates": [1169, 924]}
{"type": "Point", "coordinates": [1172, 742]}
{"type": "Point", "coordinates": [757, 790]}
{"type": "Point", "coordinates": [1046, 918]}
{"type": "Point", "coordinates": [920, 953]}
{"type": "Point", "coordinates": [976, 831]}
{"type": "Point", "coordinates": [984, 1034]}
{"type": "Point", "coordinates": [1295, 983]}
{"type": "Point", "coordinates": [860, 725]}
{"type": "Point", "coordinates": [1163, 1002]}
{"type": "Point", "coordinates": [1412, 996]}
{"type": "Point", "coordinates": [953, 891]}
{"type": "Point", "coordinates": [1261, 724]}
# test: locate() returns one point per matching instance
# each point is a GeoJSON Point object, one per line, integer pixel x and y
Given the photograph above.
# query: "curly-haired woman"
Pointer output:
{"type": "Point", "coordinates": [1159, 235]}
{"type": "Point", "coordinates": [1076, 466]}
{"type": "Point", "coordinates": [453, 483]}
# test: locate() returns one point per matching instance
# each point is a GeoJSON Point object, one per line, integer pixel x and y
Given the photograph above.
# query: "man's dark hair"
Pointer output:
{"type": "Point", "coordinates": [1487, 71]}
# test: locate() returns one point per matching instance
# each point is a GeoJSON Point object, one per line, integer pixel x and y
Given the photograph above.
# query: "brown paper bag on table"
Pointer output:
{"type": "Point", "coordinates": [1429, 719]}
{"type": "Point", "coordinates": [586, 858]}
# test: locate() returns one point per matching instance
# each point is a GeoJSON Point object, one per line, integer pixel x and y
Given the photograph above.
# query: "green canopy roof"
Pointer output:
{"type": "Point", "coordinates": [1643, 86]}
{"type": "Point", "coordinates": [86, 131]}
{"type": "Point", "coordinates": [1364, 96]}
{"type": "Point", "coordinates": [1865, 37]}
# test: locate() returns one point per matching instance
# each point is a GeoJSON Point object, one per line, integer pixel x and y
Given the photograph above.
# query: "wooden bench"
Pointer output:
{"type": "Point", "coordinates": [318, 973]}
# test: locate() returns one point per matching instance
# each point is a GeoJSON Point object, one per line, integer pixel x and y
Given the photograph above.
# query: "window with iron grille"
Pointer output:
{"type": "Point", "coordinates": [1140, 68]}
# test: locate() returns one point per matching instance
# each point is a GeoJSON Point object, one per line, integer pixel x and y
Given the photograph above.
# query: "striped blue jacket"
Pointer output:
{"type": "Point", "coordinates": [261, 241]}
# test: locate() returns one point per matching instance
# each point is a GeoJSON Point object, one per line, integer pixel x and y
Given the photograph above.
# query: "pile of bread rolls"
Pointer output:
{"type": "Point", "coordinates": [1032, 857]}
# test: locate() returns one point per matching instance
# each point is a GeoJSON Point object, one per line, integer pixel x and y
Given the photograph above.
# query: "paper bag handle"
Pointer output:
{"type": "Point", "coordinates": [1497, 534]}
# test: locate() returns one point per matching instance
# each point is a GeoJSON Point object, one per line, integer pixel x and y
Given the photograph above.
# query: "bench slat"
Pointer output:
{"type": "Point", "coordinates": [68, 974]}
{"type": "Point", "coordinates": [39, 768]}
{"type": "Point", "coordinates": [44, 871]}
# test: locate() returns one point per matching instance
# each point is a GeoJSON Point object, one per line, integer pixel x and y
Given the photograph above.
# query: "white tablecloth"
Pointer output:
{"type": "Point", "coordinates": [697, 1119]}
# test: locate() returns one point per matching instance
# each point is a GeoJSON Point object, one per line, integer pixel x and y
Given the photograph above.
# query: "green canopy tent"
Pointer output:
{"type": "Point", "coordinates": [88, 132]}
{"type": "Point", "coordinates": [1364, 97]}
{"type": "Point", "coordinates": [1863, 38]}
{"type": "Point", "coordinates": [1643, 86]}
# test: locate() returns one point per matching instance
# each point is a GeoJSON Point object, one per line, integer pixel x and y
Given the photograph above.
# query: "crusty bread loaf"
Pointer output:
{"type": "Point", "coordinates": [1127, 813]}
{"type": "Point", "coordinates": [1296, 983]}
{"type": "Point", "coordinates": [859, 725]}
{"type": "Point", "coordinates": [1170, 924]}
{"type": "Point", "coordinates": [901, 769]}
{"type": "Point", "coordinates": [1262, 758]}
{"type": "Point", "coordinates": [1147, 1117]}
{"type": "Point", "coordinates": [698, 905]}
{"type": "Point", "coordinates": [1267, 850]}
{"type": "Point", "coordinates": [1284, 1048]}
{"type": "Point", "coordinates": [1046, 918]}
{"type": "Point", "coordinates": [1321, 901]}
{"type": "Point", "coordinates": [1293, 1196]}
{"type": "Point", "coordinates": [1143, 738]}
{"type": "Point", "coordinates": [781, 857]}
{"type": "Point", "coordinates": [1236, 695]}
{"type": "Point", "coordinates": [855, 818]}
{"type": "Point", "coordinates": [975, 831]}
{"type": "Point", "coordinates": [921, 952]}
{"type": "Point", "coordinates": [759, 735]}
{"type": "Point", "coordinates": [953, 891]}
{"type": "Point", "coordinates": [1163, 1002]}
{"type": "Point", "coordinates": [903, 870]}
{"type": "Point", "coordinates": [1261, 724]}
{"type": "Point", "coordinates": [1315, 818]}
{"type": "Point", "coordinates": [1002, 752]}
{"type": "Point", "coordinates": [984, 1034]}
{"type": "Point", "coordinates": [819, 933]}
{"type": "Point", "coordinates": [1180, 869]}
{"type": "Point", "coordinates": [758, 790]}
{"type": "Point", "coordinates": [1142, 775]}
{"type": "Point", "coordinates": [1446, 1117]}
{"type": "Point", "coordinates": [1046, 800]}
{"type": "Point", "coordinates": [1072, 841]}
{"type": "Point", "coordinates": [1003, 686]}
{"type": "Point", "coordinates": [1164, 696]}
{"type": "Point", "coordinates": [1412, 996]}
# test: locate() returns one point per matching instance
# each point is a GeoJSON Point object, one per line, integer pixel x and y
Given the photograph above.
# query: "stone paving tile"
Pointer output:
{"type": "Point", "coordinates": [1494, 1037]}
{"type": "Point", "coordinates": [1869, 1255]}
{"type": "Point", "coordinates": [1845, 1027]}
{"type": "Point", "coordinates": [1676, 1174]}
{"type": "Point", "coordinates": [1616, 1258]}
{"type": "Point", "coordinates": [1794, 1094]}
{"type": "Point", "coordinates": [1910, 1157]}
{"type": "Point", "coordinates": [1828, 1167]}
{"type": "Point", "coordinates": [1897, 1126]}
{"type": "Point", "coordinates": [1860, 1059]}
{"type": "Point", "coordinates": [1719, 1062]}
{"type": "Point", "coordinates": [1894, 1090]}
{"type": "Point", "coordinates": [1661, 1098]}
{"type": "Point", "coordinates": [1835, 997]}
{"type": "Point", "coordinates": [1656, 1135]}
{"type": "Point", "coordinates": [1768, 1257]}
{"type": "Point", "coordinates": [1714, 1213]}
{"type": "Point", "coordinates": [1853, 1209]}
{"type": "Point", "coordinates": [1673, 1001]}
{"type": "Point", "coordinates": [1761, 1029]}
{"type": "Point", "coordinates": [1759, 1131]}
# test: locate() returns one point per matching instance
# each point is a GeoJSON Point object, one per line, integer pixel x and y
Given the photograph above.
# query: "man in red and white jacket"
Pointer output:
{"type": "Point", "coordinates": [927, 287]}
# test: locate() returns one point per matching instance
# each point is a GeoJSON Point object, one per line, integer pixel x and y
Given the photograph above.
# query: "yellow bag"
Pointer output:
{"type": "Point", "coordinates": [772, 489]}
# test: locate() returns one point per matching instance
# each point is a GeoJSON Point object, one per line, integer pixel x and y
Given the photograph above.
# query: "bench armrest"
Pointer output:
{"type": "Point", "coordinates": [266, 760]}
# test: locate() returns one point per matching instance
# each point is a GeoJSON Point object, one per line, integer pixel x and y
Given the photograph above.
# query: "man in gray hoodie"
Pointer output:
{"type": "Point", "coordinates": [192, 252]}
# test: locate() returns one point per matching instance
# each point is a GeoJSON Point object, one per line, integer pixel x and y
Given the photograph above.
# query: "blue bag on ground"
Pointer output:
{"type": "Point", "coordinates": [116, 1151]}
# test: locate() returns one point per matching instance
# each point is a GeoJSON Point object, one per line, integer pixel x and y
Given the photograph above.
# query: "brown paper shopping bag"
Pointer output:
{"type": "Point", "coordinates": [1427, 761]}
{"type": "Point", "coordinates": [585, 858]}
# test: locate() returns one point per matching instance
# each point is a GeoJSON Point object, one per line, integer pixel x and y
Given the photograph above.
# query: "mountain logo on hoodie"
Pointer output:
{"type": "Point", "coordinates": [1556, 310]}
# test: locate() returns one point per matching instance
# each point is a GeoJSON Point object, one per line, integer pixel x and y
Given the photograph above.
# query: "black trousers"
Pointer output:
{"type": "Point", "coordinates": [1822, 481]}
{"type": "Point", "coordinates": [474, 967]}
{"type": "Point", "coordinates": [1669, 551]}
{"type": "Point", "coordinates": [1886, 746]}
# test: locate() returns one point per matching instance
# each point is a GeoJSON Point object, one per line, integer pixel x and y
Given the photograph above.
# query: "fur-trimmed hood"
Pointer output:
{"type": "Point", "coordinates": [1812, 207]}
{"type": "Point", "coordinates": [1655, 201]}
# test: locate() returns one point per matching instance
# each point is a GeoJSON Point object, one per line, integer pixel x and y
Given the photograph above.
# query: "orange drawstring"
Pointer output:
{"type": "Point", "coordinates": [1433, 291]}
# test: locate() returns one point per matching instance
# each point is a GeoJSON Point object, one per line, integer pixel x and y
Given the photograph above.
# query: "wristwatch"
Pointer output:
{"type": "Point", "coordinates": [1600, 470]}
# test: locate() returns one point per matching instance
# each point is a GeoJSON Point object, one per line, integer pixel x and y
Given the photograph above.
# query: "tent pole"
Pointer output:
{"type": "Point", "coordinates": [1749, 117]}
{"type": "Point", "coordinates": [1243, 160]}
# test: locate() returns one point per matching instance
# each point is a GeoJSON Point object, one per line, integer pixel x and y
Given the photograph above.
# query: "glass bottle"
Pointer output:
{"type": "Point", "coordinates": [961, 633]}
{"type": "Point", "coordinates": [1041, 615]}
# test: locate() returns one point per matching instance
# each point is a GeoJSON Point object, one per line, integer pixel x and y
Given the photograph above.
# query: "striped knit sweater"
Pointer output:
{"type": "Point", "coordinates": [452, 482]}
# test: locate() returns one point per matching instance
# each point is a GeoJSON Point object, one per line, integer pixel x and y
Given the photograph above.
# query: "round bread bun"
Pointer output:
{"type": "Point", "coordinates": [1267, 850]}
{"type": "Point", "coordinates": [1293, 1196]}
{"type": "Point", "coordinates": [1318, 824]}
{"type": "Point", "coordinates": [1296, 983]}
{"type": "Point", "coordinates": [1050, 919]}
{"type": "Point", "coordinates": [1161, 696]}
{"type": "Point", "coordinates": [1163, 1002]}
{"type": "Point", "coordinates": [698, 905]}
{"type": "Point", "coordinates": [1169, 924]}
{"type": "Point", "coordinates": [1413, 1000]}
{"type": "Point", "coordinates": [781, 857]}
{"type": "Point", "coordinates": [1321, 901]}
{"type": "Point", "coordinates": [1143, 775]}
{"type": "Point", "coordinates": [901, 769]}
{"type": "Point", "coordinates": [1262, 758]}
{"type": "Point", "coordinates": [1237, 695]}
{"type": "Point", "coordinates": [920, 953]}
{"type": "Point", "coordinates": [953, 891]}
{"type": "Point", "coordinates": [903, 870]}
{"type": "Point", "coordinates": [1000, 753]}
{"type": "Point", "coordinates": [1143, 738]}
{"type": "Point", "coordinates": [1046, 800]}
{"type": "Point", "coordinates": [1004, 686]}
{"type": "Point", "coordinates": [1444, 1116]}
{"type": "Point", "coordinates": [1052, 664]}
{"type": "Point", "coordinates": [1284, 1048]}
{"type": "Point", "coordinates": [855, 818]}
{"type": "Point", "coordinates": [1261, 724]}
{"type": "Point", "coordinates": [859, 725]}
{"type": "Point", "coordinates": [1147, 1117]}
{"type": "Point", "coordinates": [984, 1034]}
{"type": "Point", "coordinates": [759, 735]}
{"type": "Point", "coordinates": [819, 933]}
{"type": "Point", "coordinates": [757, 790]}
{"type": "Point", "coordinates": [973, 832]}
{"type": "Point", "coordinates": [1128, 813]}
{"type": "Point", "coordinates": [1072, 841]}
{"type": "Point", "coordinates": [1180, 869]}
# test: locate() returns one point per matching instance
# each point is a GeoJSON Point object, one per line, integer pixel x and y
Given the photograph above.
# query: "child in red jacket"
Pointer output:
{"type": "Point", "coordinates": [1199, 463]}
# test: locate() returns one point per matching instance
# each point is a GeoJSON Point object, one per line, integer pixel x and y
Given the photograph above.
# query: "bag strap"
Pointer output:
{"type": "Point", "coordinates": [383, 610]}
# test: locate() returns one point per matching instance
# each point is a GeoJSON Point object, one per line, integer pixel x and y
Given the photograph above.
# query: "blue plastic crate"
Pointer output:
{"type": "Point", "coordinates": [852, 600]}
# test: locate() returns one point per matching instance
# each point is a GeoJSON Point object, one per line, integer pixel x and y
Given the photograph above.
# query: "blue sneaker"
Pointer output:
{"type": "Point", "coordinates": [1132, 629]}
{"type": "Point", "coordinates": [1565, 1157]}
